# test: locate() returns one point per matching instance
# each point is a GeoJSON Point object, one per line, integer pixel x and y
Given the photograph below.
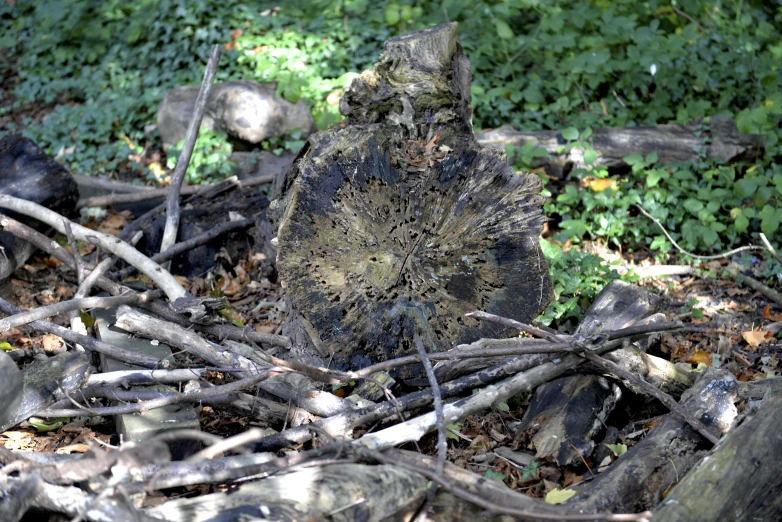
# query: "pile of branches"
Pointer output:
{"type": "Point", "coordinates": [337, 458]}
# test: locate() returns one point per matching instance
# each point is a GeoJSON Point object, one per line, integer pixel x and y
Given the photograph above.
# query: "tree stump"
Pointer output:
{"type": "Point", "coordinates": [398, 223]}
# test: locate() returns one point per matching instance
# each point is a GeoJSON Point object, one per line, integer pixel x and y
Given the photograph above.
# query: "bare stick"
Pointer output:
{"type": "Point", "coordinates": [136, 377]}
{"type": "Point", "coordinates": [146, 195]}
{"type": "Point", "coordinates": [770, 247]}
{"type": "Point", "coordinates": [242, 439]}
{"type": "Point", "coordinates": [735, 271]}
{"type": "Point", "coordinates": [314, 401]}
{"type": "Point", "coordinates": [172, 206]}
{"type": "Point", "coordinates": [74, 304]}
{"type": "Point", "coordinates": [510, 323]}
{"type": "Point", "coordinates": [89, 343]}
{"type": "Point", "coordinates": [417, 427]}
{"type": "Point", "coordinates": [74, 250]}
{"type": "Point", "coordinates": [442, 444]}
{"type": "Point", "coordinates": [221, 331]}
{"type": "Point", "coordinates": [175, 398]}
{"type": "Point", "coordinates": [164, 280]}
{"type": "Point", "coordinates": [658, 394]}
{"type": "Point", "coordinates": [680, 249]}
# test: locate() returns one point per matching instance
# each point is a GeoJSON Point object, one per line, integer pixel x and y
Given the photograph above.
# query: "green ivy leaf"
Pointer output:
{"type": "Point", "coordinates": [693, 205]}
{"type": "Point", "coordinates": [653, 177]}
{"type": "Point", "coordinates": [493, 475]}
{"type": "Point", "coordinates": [570, 133]}
{"type": "Point", "coordinates": [617, 449]}
{"type": "Point", "coordinates": [503, 29]}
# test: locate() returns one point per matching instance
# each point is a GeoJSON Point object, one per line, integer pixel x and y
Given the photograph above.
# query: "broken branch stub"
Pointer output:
{"type": "Point", "coordinates": [399, 222]}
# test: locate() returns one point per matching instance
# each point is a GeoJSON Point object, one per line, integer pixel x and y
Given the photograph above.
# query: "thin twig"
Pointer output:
{"type": "Point", "coordinates": [512, 323]}
{"type": "Point", "coordinates": [145, 195]}
{"type": "Point", "coordinates": [174, 398]}
{"type": "Point", "coordinates": [75, 304]}
{"type": "Point", "coordinates": [696, 256]}
{"type": "Point", "coordinates": [89, 343]}
{"type": "Point", "coordinates": [770, 247]}
{"type": "Point", "coordinates": [442, 445]}
{"type": "Point", "coordinates": [74, 250]}
{"type": "Point", "coordinates": [172, 203]}
{"type": "Point", "coordinates": [164, 280]}
{"type": "Point", "coordinates": [688, 17]}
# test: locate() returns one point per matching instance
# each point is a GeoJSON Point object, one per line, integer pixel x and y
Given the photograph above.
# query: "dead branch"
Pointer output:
{"type": "Point", "coordinates": [166, 281]}
{"type": "Point", "coordinates": [172, 202]}
{"type": "Point", "coordinates": [43, 312]}
{"type": "Point", "coordinates": [173, 398]}
{"type": "Point", "coordinates": [293, 388]}
{"type": "Point", "coordinates": [88, 342]}
{"type": "Point", "coordinates": [146, 195]}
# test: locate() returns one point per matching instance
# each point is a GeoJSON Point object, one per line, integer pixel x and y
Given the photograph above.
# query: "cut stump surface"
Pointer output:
{"type": "Point", "coordinates": [400, 223]}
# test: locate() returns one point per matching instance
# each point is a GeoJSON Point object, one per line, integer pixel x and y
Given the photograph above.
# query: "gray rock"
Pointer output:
{"type": "Point", "coordinates": [244, 109]}
{"type": "Point", "coordinates": [252, 164]}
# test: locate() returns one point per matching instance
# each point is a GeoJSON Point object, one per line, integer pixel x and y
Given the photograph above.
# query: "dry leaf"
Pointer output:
{"type": "Point", "coordinates": [52, 344]}
{"type": "Point", "coordinates": [767, 314]}
{"type": "Point", "coordinates": [228, 285]}
{"type": "Point", "coordinates": [756, 337]}
{"type": "Point", "coordinates": [737, 291]}
{"type": "Point", "coordinates": [265, 328]}
{"type": "Point", "coordinates": [113, 224]}
{"type": "Point", "coordinates": [600, 185]}
{"type": "Point", "coordinates": [74, 448]}
{"type": "Point", "coordinates": [699, 357]}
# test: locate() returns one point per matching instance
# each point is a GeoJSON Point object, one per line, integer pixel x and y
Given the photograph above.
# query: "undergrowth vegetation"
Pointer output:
{"type": "Point", "coordinates": [101, 68]}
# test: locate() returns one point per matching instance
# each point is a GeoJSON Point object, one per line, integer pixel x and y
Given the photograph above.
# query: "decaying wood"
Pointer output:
{"type": "Point", "coordinates": [639, 478]}
{"type": "Point", "coordinates": [45, 382]}
{"type": "Point", "coordinates": [761, 389]}
{"type": "Point", "coordinates": [739, 479]}
{"type": "Point", "coordinates": [566, 415]}
{"type": "Point", "coordinates": [399, 222]}
{"type": "Point", "coordinates": [672, 143]}
{"type": "Point", "coordinates": [339, 492]}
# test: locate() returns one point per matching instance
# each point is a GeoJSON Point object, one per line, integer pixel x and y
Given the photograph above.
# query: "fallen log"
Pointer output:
{"type": "Point", "coordinates": [672, 143]}
{"type": "Point", "coordinates": [739, 479]}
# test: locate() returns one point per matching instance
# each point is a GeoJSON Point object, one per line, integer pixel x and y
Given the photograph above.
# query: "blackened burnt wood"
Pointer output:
{"type": "Point", "coordinates": [399, 222]}
{"type": "Point", "coordinates": [26, 172]}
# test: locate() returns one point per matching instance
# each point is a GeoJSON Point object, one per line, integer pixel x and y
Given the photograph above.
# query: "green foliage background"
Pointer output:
{"type": "Point", "coordinates": [569, 65]}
